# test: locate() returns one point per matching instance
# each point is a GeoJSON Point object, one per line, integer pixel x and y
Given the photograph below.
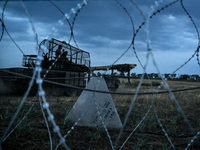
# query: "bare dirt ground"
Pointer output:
{"type": "Point", "coordinates": [32, 132]}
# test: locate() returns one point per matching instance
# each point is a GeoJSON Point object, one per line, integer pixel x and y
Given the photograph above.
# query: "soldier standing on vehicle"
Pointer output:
{"type": "Point", "coordinates": [58, 51]}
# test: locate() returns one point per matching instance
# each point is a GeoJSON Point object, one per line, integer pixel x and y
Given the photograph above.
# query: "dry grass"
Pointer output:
{"type": "Point", "coordinates": [32, 133]}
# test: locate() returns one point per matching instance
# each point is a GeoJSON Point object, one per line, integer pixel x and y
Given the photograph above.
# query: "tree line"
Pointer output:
{"type": "Point", "coordinates": [170, 76]}
{"type": "Point", "coordinates": [167, 76]}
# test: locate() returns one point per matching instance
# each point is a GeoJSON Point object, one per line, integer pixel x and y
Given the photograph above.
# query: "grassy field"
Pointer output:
{"type": "Point", "coordinates": [32, 132]}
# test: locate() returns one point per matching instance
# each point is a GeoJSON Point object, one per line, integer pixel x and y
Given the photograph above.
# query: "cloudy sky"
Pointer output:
{"type": "Point", "coordinates": [104, 29]}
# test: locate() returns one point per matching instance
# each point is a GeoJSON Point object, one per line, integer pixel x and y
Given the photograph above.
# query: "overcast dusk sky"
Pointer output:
{"type": "Point", "coordinates": [104, 29]}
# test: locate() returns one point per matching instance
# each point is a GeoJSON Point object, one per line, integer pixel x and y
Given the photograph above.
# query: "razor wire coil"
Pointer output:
{"type": "Point", "coordinates": [39, 80]}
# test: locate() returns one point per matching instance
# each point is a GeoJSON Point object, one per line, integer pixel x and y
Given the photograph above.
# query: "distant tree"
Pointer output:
{"type": "Point", "coordinates": [194, 77]}
{"type": "Point", "coordinates": [145, 75]}
{"type": "Point", "coordinates": [198, 78]}
{"type": "Point", "coordinates": [161, 75]}
{"type": "Point", "coordinates": [184, 76]}
{"type": "Point", "coordinates": [133, 75]}
{"type": "Point", "coordinates": [98, 74]}
{"type": "Point", "coordinates": [167, 75]}
{"type": "Point", "coordinates": [139, 75]}
{"type": "Point", "coordinates": [151, 75]}
{"type": "Point", "coordinates": [156, 75]}
{"type": "Point", "coordinates": [173, 76]}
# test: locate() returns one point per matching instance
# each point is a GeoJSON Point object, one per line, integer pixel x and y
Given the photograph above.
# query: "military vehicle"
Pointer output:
{"type": "Point", "coordinates": [62, 63]}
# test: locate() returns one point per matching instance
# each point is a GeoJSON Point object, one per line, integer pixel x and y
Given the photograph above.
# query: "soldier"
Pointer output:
{"type": "Point", "coordinates": [58, 51]}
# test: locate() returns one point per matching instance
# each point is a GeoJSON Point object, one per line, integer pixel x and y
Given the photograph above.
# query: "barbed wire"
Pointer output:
{"type": "Point", "coordinates": [72, 128]}
{"type": "Point", "coordinates": [132, 103]}
{"type": "Point", "coordinates": [73, 23]}
{"type": "Point", "coordinates": [19, 107]}
{"type": "Point", "coordinates": [195, 53]}
{"type": "Point", "coordinates": [4, 28]}
{"type": "Point", "coordinates": [21, 120]}
{"type": "Point", "coordinates": [46, 122]}
{"type": "Point", "coordinates": [149, 54]}
{"type": "Point", "coordinates": [161, 126]}
{"type": "Point", "coordinates": [2, 20]}
{"type": "Point", "coordinates": [39, 81]}
{"type": "Point", "coordinates": [100, 115]}
{"type": "Point", "coordinates": [166, 85]}
{"type": "Point", "coordinates": [106, 92]}
{"type": "Point", "coordinates": [133, 30]}
{"type": "Point", "coordinates": [71, 26]}
{"type": "Point", "coordinates": [197, 31]}
{"type": "Point", "coordinates": [172, 97]}
{"type": "Point", "coordinates": [153, 101]}
{"type": "Point", "coordinates": [141, 80]}
{"type": "Point", "coordinates": [192, 140]}
{"type": "Point", "coordinates": [13, 40]}
{"type": "Point", "coordinates": [37, 71]}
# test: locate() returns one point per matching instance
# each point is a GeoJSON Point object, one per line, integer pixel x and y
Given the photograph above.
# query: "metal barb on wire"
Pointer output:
{"type": "Point", "coordinates": [100, 116]}
{"type": "Point", "coordinates": [133, 29]}
{"type": "Point", "coordinates": [172, 97]}
{"type": "Point", "coordinates": [197, 31]}
{"type": "Point", "coordinates": [153, 101]}
{"type": "Point", "coordinates": [47, 125]}
{"type": "Point", "coordinates": [144, 22]}
{"type": "Point", "coordinates": [80, 7]}
{"type": "Point", "coordinates": [163, 130]}
{"type": "Point", "coordinates": [67, 19]}
{"type": "Point", "coordinates": [41, 92]}
{"type": "Point", "coordinates": [2, 20]}
{"type": "Point", "coordinates": [20, 120]}
{"type": "Point", "coordinates": [14, 41]}
{"type": "Point", "coordinates": [20, 105]}
{"type": "Point", "coordinates": [132, 104]}
{"type": "Point", "coordinates": [22, 101]}
{"type": "Point", "coordinates": [192, 140]}
{"type": "Point", "coordinates": [72, 128]}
